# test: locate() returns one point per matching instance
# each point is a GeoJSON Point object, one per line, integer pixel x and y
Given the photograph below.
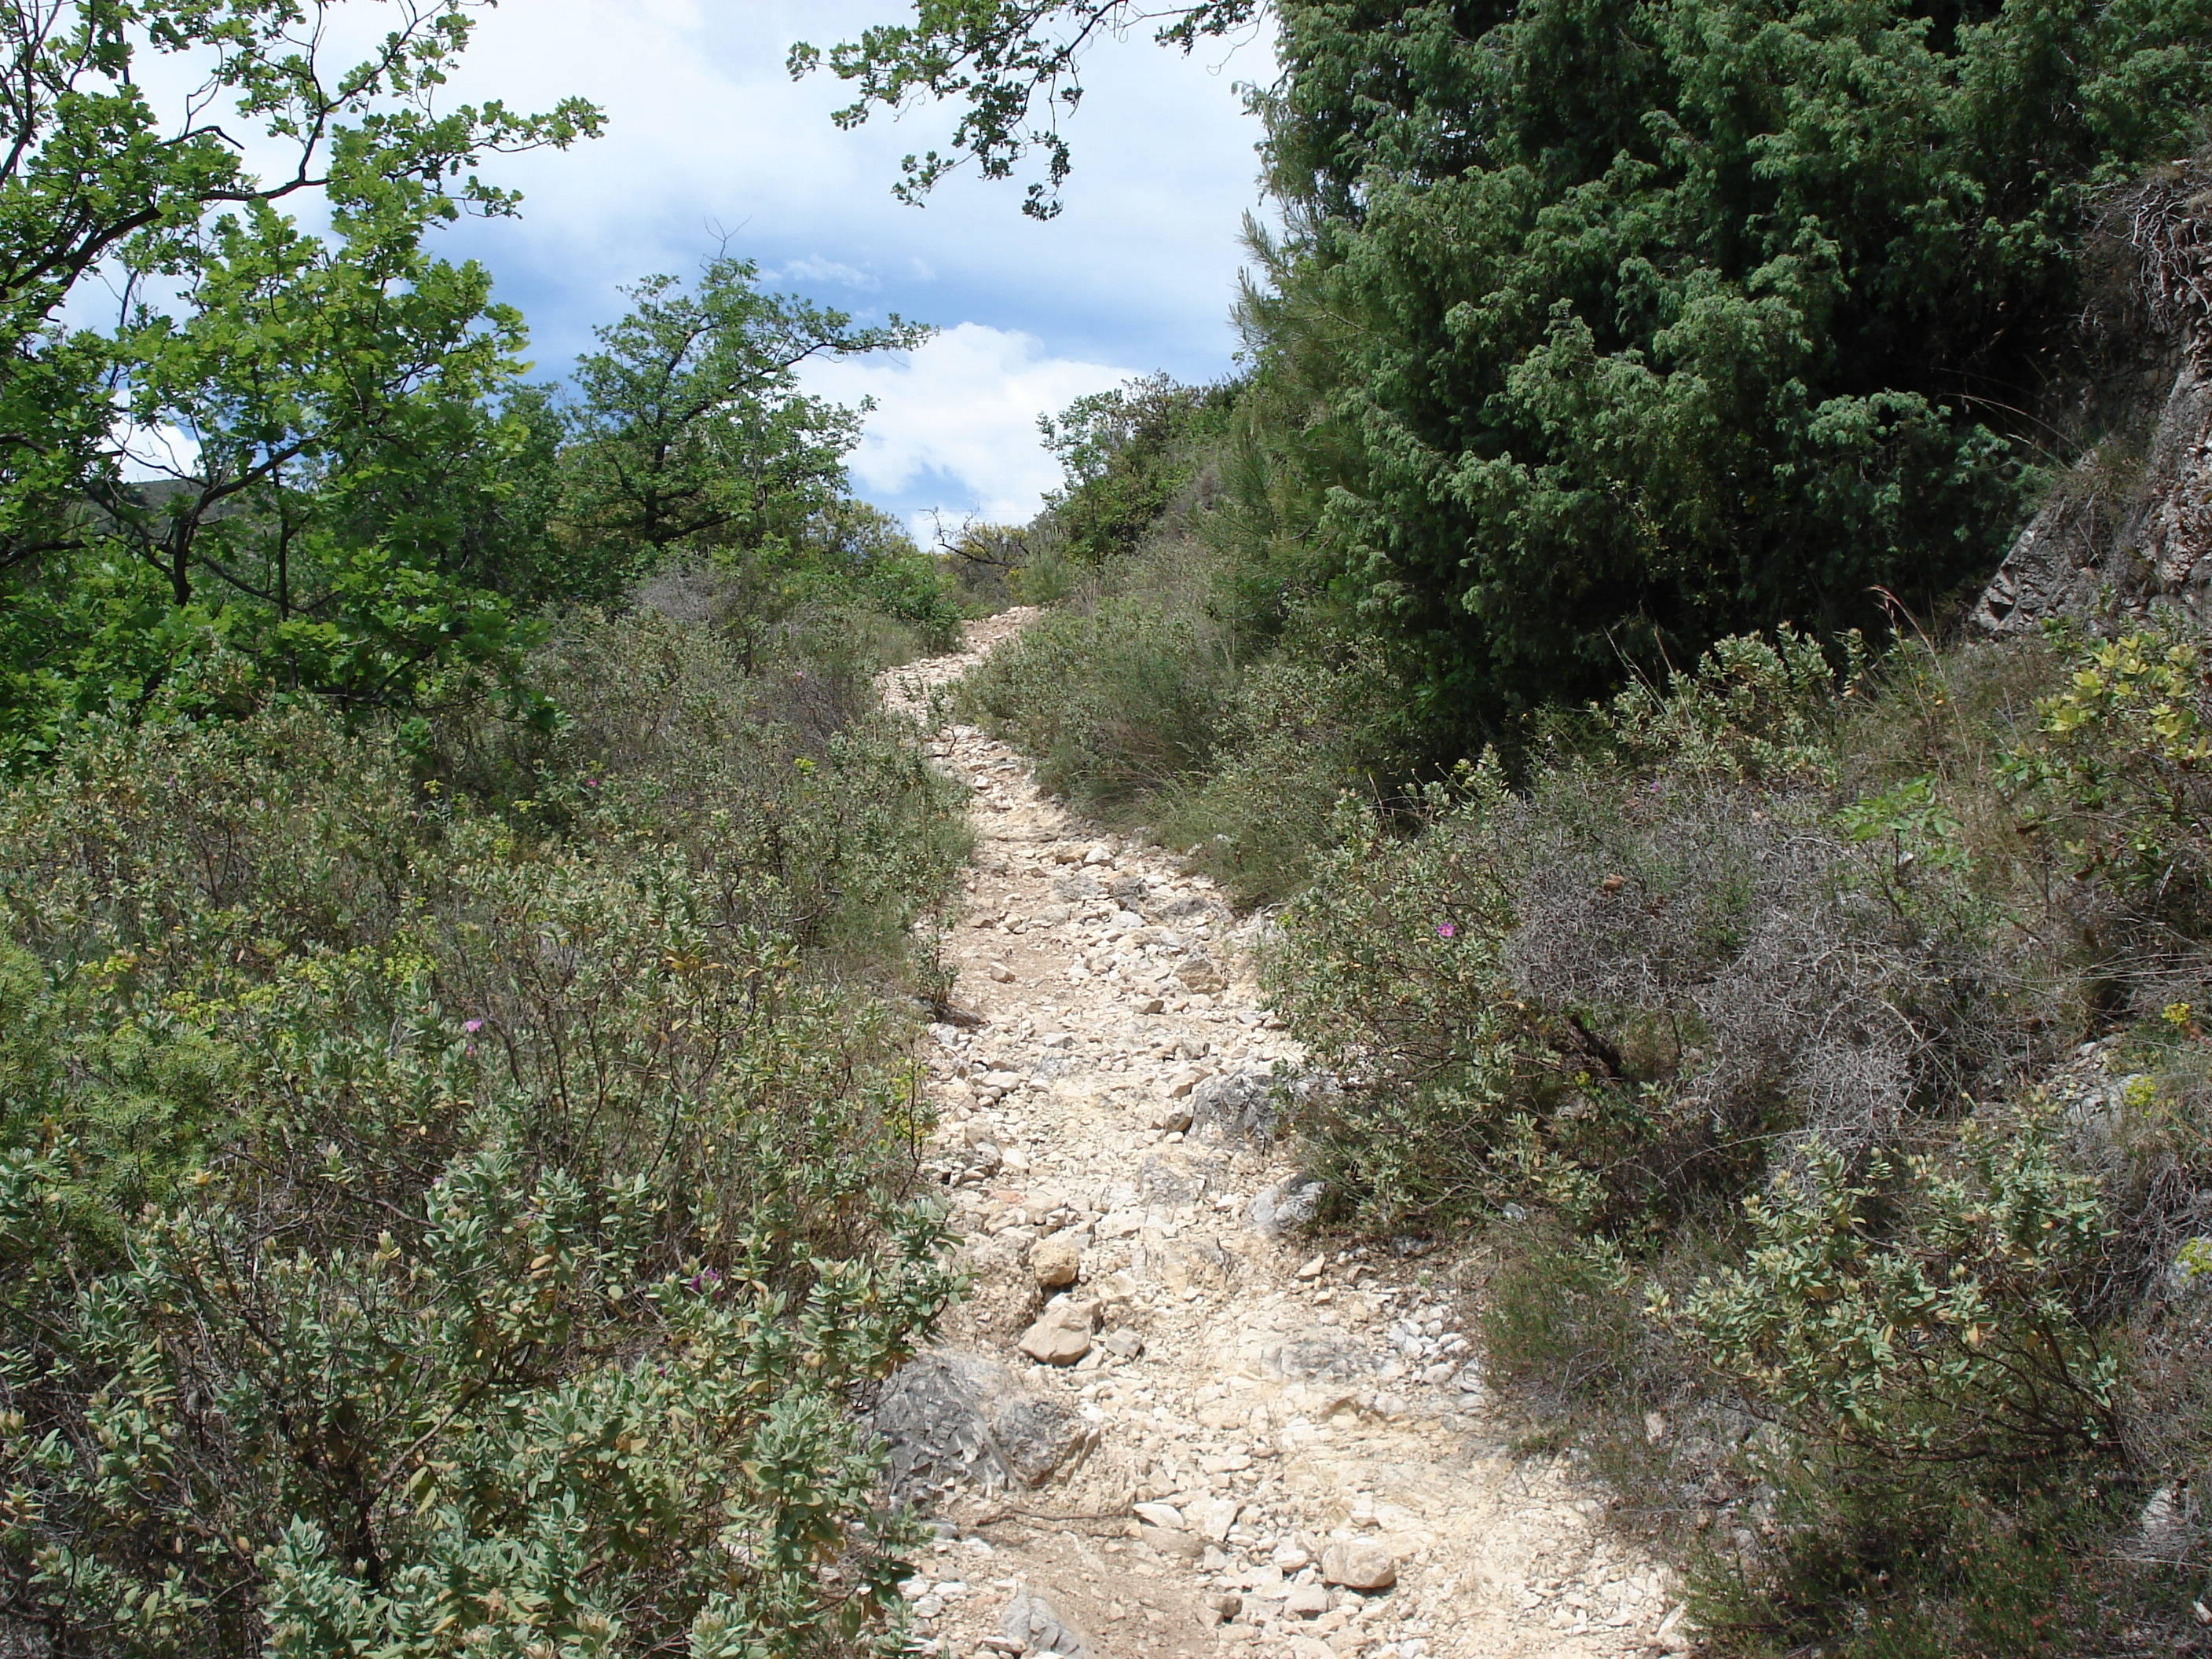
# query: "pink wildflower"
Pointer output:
{"type": "Point", "coordinates": [1445, 930]}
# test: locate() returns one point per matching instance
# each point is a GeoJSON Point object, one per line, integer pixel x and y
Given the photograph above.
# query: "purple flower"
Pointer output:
{"type": "Point", "coordinates": [1445, 930]}
{"type": "Point", "coordinates": [473, 1026]}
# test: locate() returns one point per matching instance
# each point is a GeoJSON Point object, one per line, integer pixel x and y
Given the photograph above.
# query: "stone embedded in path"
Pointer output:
{"type": "Point", "coordinates": [1060, 1336]}
{"type": "Point", "coordinates": [1201, 974]}
{"type": "Point", "coordinates": [1177, 1545]}
{"type": "Point", "coordinates": [985, 1158]}
{"type": "Point", "coordinates": [1240, 1103]}
{"type": "Point", "coordinates": [1172, 1118]}
{"type": "Point", "coordinates": [1213, 1520]}
{"type": "Point", "coordinates": [1276, 1210]}
{"type": "Point", "coordinates": [1360, 1563]}
{"type": "Point", "coordinates": [1040, 1627]}
{"type": "Point", "coordinates": [1055, 1263]}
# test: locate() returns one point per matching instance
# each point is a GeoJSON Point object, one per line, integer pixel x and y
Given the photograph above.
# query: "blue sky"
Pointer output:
{"type": "Point", "coordinates": [707, 136]}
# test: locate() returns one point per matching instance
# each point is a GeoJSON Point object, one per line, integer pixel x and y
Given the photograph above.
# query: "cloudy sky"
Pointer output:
{"type": "Point", "coordinates": [708, 138]}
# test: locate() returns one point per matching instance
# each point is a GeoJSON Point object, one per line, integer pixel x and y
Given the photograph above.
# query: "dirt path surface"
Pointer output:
{"type": "Point", "coordinates": [1162, 1424]}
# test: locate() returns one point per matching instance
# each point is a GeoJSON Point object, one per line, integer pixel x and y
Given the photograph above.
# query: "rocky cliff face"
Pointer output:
{"type": "Point", "coordinates": [2131, 526]}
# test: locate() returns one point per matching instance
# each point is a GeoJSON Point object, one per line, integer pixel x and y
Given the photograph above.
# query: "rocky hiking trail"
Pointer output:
{"type": "Point", "coordinates": [1162, 1424]}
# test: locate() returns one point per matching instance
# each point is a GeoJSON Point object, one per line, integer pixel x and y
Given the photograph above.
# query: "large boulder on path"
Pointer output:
{"type": "Point", "coordinates": [1060, 1336]}
{"type": "Point", "coordinates": [1040, 1627]}
{"type": "Point", "coordinates": [954, 1416]}
{"type": "Point", "coordinates": [1360, 1563]}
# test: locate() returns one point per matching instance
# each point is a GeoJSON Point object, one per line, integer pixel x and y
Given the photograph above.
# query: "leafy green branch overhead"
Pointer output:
{"type": "Point", "coordinates": [95, 179]}
{"type": "Point", "coordinates": [1014, 68]}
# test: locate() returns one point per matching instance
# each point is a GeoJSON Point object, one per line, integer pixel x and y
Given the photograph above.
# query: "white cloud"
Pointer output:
{"type": "Point", "coordinates": [819, 271]}
{"type": "Point", "coordinates": [708, 137]}
{"type": "Point", "coordinates": [150, 453]}
{"type": "Point", "coordinates": [958, 416]}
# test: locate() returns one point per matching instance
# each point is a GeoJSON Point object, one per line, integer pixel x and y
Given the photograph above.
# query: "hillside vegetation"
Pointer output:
{"type": "Point", "coordinates": [1799, 1008]}
{"type": "Point", "coordinates": [433, 1227]}
{"type": "Point", "coordinates": [1809, 1042]}
{"type": "Point", "coordinates": [463, 911]}
{"type": "Point", "coordinates": [459, 901]}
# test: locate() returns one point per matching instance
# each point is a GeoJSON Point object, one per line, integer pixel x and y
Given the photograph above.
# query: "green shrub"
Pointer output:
{"type": "Point", "coordinates": [1127, 455]}
{"type": "Point", "coordinates": [1948, 1463]}
{"type": "Point", "coordinates": [1303, 726]}
{"type": "Point", "coordinates": [429, 1230]}
{"type": "Point", "coordinates": [1389, 972]}
{"type": "Point", "coordinates": [817, 812]}
{"type": "Point", "coordinates": [1597, 333]}
{"type": "Point", "coordinates": [1951, 1333]}
{"type": "Point", "coordinates": [1752, 710]}
{"type": "Point", "coordinates": [1895, 1374]}
{"type": "Point", "coordinates": [2115, 773]}
{"type": "Point", "coordinates": [1856, 1563]}
{"type": "Point", "coordinates": [1666, 954]}
{"type": "Point", "coordinates": [1118, 701]}
{"type": "Point", "coordinates": [1563, 1325]}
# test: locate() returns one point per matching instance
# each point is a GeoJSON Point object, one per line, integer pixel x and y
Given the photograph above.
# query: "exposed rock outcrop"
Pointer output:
{"type": "Point", "coordinates": [2131, 526]}
{"type": "Point", "coordinates": [951, 1416]}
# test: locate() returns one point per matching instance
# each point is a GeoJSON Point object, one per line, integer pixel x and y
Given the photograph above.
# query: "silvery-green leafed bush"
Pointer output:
{"type": "Point", "coordinates": [1931, 1310]}
{"type": "Point", "coordinates": [425, 1231]}
{"type": "Point", "coordinates": [1722, 1035]}
{"type": "Point", "coordinates": [1644, 971]}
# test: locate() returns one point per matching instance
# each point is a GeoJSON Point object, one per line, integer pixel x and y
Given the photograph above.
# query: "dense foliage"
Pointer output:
{"type": "Point", "coordinates": [311, 454]}
{"type": "Point", "coordinates": [1596, 331]}
{"type": "Point", "coordinates": [310, 371]}
{"type": "Point", "coordinates": [1605, 329]}
{"type": "Point", "coordinates": [1755, 1015]}
{"type": "Point", "coordinates": [432, 1230]}
{"type": "Point", "coordinates": [457, 899]}
{"type": "Point", "coordinates": [1128, 455]}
